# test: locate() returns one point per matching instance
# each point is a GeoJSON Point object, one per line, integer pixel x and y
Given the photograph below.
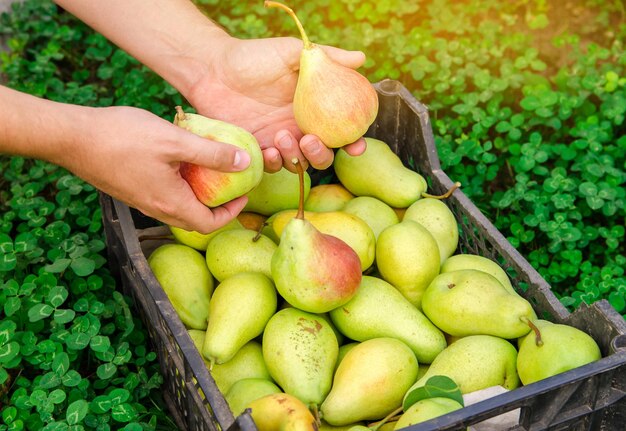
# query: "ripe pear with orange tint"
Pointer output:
{"type": "Point", "coordinates": [211, 187]}
{"type": "Point", "coordinates": [313, 271]}
{"type": "Point", "coordinates": [332, 101]}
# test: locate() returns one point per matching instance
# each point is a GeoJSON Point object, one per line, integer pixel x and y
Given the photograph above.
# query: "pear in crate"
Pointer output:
{"type": "Point", "coordinates": [276, 192]}
{"type": "Point", "coordinates": [481, 263]}
{"type": "Point", "coordinates": [327, 197]}
{"type": "Point", "coordinates": [300, 350]}
{"type": "Point", "coordinates": [239, 309]}
{"type": "Point", "coordinates": [553, 348]}
{"type": "Point", "coordinates": [379, 310]}
{"type": "Point", "coordinates": [377, 214]}
{"type": "Point", "coordinates": [239, 250]}
{"type": "Point", "coordinates": [470, 302]}
{"type": "Point", "coordinates": [439, 220]}
{"type": "Point", "coordinates": [313, 271]}
{"type": "Point", "coordinates": [379, 173]}
{"type": "Point", "coordinates": [349, 228]}
{"type": "Point", "coordinates": [211, 187]}
{"type": "Point", "coordinates": [408, 257]}
{"type": "Point", "coordinates": [244, 391]}
{"type": "Point", "coordinates": [332, 101]}
{"type": "Point", "coordinates": [198, 240]}
{"type": "Point", "coordinates": [281, 412]}
{"type": "Point", "coordinates": [426, 409]}
{"type": "Point", "coordinates": [185, 278]}
{"type": "Point", "coordinates": [247, 363]}
{"type": "Point", "coordinates": [370, 382]}
{"type": "Point", "coordinates": [475, 362]}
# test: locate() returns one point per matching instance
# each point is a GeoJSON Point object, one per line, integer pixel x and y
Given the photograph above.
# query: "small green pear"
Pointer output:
{"type": "Point", "coordinates": [347, 227]}
{"type": "Point", "coordinates": [553, 349]}
{"type": "Point", "coordinates": [439, 220]}
{"type": "Point", "coordinates": [476, 362]}
{"type": "Point", "coordinates": [276, 192]}
{"type": "Point", "coordinates": [379, 310]}
{"type": "Point", "coordinates": [185, 278]}
{"type": "Point", "coordinates": [407, 256]}
{"type": "Point", "coordinates": [379, 173]}
{"type": "Point", "coordinates": [481, 263]}
{"type": "Point", "coordinates": [239, 250]}
{"type": "Point", "coordinates": [198, 240]}
{"type": "Point", "coordinates": [377, 214]}
{"type": "Point", "coordinates": [240, 308]}
{"type": "Point", "coordinates": [426, 409]}
{"type": "Point", "coordinates": [244, 391]}
{"type": "Point", "coordinates": [327, 197]}
{"type": "Point", "coordinates": [370, 382]}
{"type": "Point", "coordinates": [247, 363]}
{"type": "Point", "coordinates": [470, 302]}
{"type": "Point", "coordinates": [300, 350]}
{"type": "Point", "coordinates": [281, 412]}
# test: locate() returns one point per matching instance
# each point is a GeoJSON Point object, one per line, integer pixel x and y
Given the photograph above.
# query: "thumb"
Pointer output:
{"type": "Point", "coordinates": [212, 154]}
{"type": "Point", "coordinates": [351, 59]}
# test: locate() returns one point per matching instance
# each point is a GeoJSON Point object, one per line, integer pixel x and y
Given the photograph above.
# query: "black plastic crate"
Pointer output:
{"type": "Point", "coordinates": [591, 397]}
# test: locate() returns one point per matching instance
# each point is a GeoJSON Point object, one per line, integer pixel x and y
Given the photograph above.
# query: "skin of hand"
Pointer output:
{"type": "Point", "coordinates": [251, 83]}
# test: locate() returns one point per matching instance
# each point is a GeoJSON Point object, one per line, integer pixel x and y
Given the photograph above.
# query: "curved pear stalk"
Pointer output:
{"type": "Point", "coordinates": [538, 340]}
{"type": "Point", "coordinates": [445, 195]}
{"type": "Point", "coordinates": [332, 101]}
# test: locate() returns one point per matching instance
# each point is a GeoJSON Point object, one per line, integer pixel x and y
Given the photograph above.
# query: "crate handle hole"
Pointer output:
{"type": "Point", "coordinates": [389, 87]}
{"type": "Point", "coordinates": [619, 342]}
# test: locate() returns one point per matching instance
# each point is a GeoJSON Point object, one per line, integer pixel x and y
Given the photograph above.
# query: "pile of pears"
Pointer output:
{"type": "Point", "coordinates": [337, 301]}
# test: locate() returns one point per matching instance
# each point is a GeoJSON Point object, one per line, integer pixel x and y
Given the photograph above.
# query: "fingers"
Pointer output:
{"type": "Point", "coordinates": [289, 149]}
{"type": "Point", "coordinates": [351, 59]}
{"type": "Point", "coordinates": [272, 160]}
{"type": "Point", "coordinates": [318, 155]}
{"type": "Point", "coordinates": [202, 219]}
{"type": "Point", "coordinates": [211, 154]}
{"type": "Point", "coordinates": [356, 148]}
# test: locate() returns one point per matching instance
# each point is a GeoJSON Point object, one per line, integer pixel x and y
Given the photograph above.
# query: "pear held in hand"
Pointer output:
{"type": "Point", "coordinates": [332, 101]}
{"type": "Point", "coordinates": [211, 187]}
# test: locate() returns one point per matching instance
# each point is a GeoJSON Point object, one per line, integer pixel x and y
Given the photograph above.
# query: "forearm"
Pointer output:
{"type": "Point", "coordinates": [38, 128]}
{"type": "Point", "coordinates": [171, 37]}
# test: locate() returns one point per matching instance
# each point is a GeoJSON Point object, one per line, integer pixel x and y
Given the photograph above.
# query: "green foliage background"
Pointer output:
{"type": "Point", "coordinates": [527, 102]}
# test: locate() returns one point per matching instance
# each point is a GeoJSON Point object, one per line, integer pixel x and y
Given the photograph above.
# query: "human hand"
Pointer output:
{"type": "Point", "coordinates": [251, 83]}
{"type": "Point", "coordinates": [134, 156]}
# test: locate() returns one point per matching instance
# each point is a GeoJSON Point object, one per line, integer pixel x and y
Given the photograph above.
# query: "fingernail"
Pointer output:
{"type": "Point", "coordinates": [313, 147]}
{"type": "Point", "coordinates": [285, 142]}
{"type": "Point", "coordinates": [242, 160]}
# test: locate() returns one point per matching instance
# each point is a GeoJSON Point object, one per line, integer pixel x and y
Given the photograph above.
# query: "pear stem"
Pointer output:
{"type": "Point", "coordinates": [316, 414]}
{"type": "Point", "coordinates": [538, 340]}
{"type": "Point", "coordinates": [300, 171]}
{"type": "Point", "coordinates": [180, 115]}
{"type": "Point", "coordinates": [305, 39]}
{"type": "Point", "coordinates": [445, 195]}
{"type": "Point", "coordinates": [383, 421]}
{"type": "Point", "coordinates": [259, 232]}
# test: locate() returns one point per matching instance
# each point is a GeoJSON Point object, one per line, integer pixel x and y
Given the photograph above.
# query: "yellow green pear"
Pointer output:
{"type": "Point", "coordinates": [553, 348]}
{"type": "Point", "coordinates": [379, 310]}
{"type": "Point", "coordinates": [370, 382]}
{"type": "Point", "coordinates": [476, 362]}
{"type": "Point", "coordinates": [426, 409]}
{"type": "Point", "coordinates": [244, 391]}
{"type": "Point", "coordinates": [327, 197]}
{"type": "Point", "coordinates": [379, 173]}
{"type": "Point", "coordinates": [377, 214]}
{"type": "Point", "coordinates": [185, 278]}
{"type": "Point", "coordinates": [439, 220]}
{"type": "Point", "coordinates": [212, 187]}
{"type": "Point", "coordinates": [470, 302]}
{"type": "Point", "coordinates": [276, 192]}
{"type": "Point", "coordinates": [407, 256]}
{"type": "Point", "coordinates": [300, 350]}
{"type": "Point", "coordinates": [239, 250]}
{"type": "Point", "coordinates": [281, 412]}
{"type": "Point", "coordinates": [347, 227]}
{"type": "Point", "coordinates": [481, 263]}
{"type": "Point", "coordinates": [198, 240]}
{"type": "Point", "coordinates": [247, 363]}
{"type": "Point", "coordinates": [239, 309]}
